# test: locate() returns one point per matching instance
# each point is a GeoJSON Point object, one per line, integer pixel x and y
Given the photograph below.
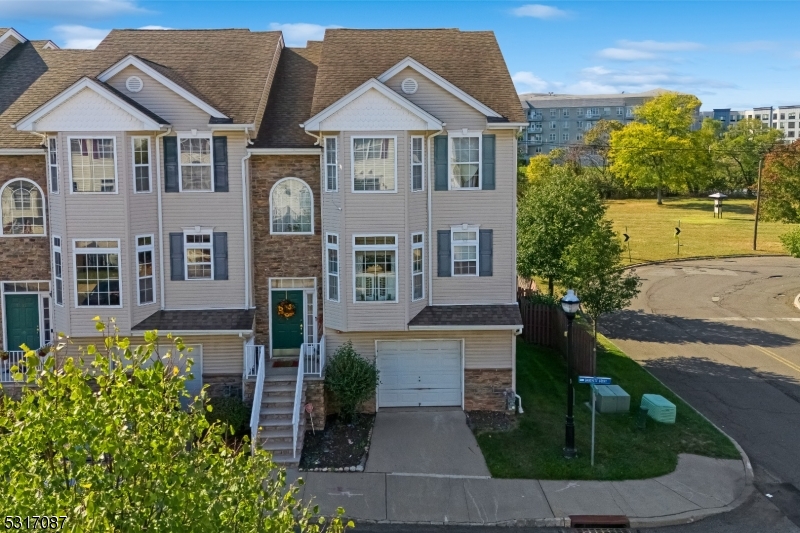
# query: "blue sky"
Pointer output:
{"type": "Point", "coordinates": [730, 54]}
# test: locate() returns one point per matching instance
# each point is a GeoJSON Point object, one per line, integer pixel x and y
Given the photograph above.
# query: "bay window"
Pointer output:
{"type": "Point", "coordinates": [144, 271]}
{"type": "Point", "coordinates": [141, 164]}
{"type": "Point", "coordinates": [375, 268]}
{"type": "Point", "coordinates": [374, 164]}
{"type": "Point", "coordinates": [331, 165]}
{"type": "Point", "coordinates": [417, 266]}
{"type": "Point", "coordinates": [97, 273]}
{"type": "Point", "coordinates": [332, 263]}
{"type": "Point", "coordinates": [92, 163]}
{"type": "Point", "coordinates": [417, 164]}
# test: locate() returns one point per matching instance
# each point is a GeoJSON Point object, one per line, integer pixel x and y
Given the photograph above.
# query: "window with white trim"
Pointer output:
{"type": "Point", "coordinates": [565, 112]}
{"type": "Point", "coordinates": [195, 164]}
{"type": "Point", "coordinates": [566, 124]}
{"type": "Point", "coordinates": [375, 268]}
{"type": "Point", "coordinates": [565, 137]}
{"type": "Point", "coordinates": [620, 111]}
{"type": "Point", "coordinates": [97, 273]}
{"type": "Point", "coordinates": [198, 253]}
{"type": "Point", "coordinates": [465, 251]}
{"type": "Point", "coordinates": [465, 161]}
{"type": "Point", "coordinates": [22, 206]}
{"type": "Point", "coordinates": [374, 164]}
{"type": "Point", "coordinates": [58, 273]}
{"type": "Point", "coordinates": [93, 164]}
{"type": "Point", "coordinates": [580, 112]}
{"type": "Point", "coordinates": [417, 266]}
{"type": "Point", "coordinates": [552, 137]}
{"type": "Point", "coordinates": [553, 112]}
{"type": "Point", "coordinates": [331, 165]}
{"type": "Point", "coordinates": [417, 163]}
{"type": "Point", "coordinates": [332, 265]}
{"type": "Point", "coordinates": [141, 164]}
{"type": "Point", "coordinates": [144, 270]}
{"type": "Point", "coordinates": [52, 163]}
{"type": "Point", "coordinates": [291, 206]}
{"type": "Point", "coordinates": [553, 125]}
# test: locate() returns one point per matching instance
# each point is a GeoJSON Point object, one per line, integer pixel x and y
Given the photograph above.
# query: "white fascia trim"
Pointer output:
{"type": "Point", "coordinates": [191, 332]}
{"type": "Point", "coordinates": [22, 151]}
{"type": "Point", "coordinates": [505, 125]}
{"type": "Point", "coordinates": [27, 123]}
{"type": "Point", "coordinates": [132, 60]}
{"type": "Point", "coordinates": [313, 124]}
{"type": "Point", "coordinates": [463, 328]}
{"type": "Point", "coordinates": [232, 127]}
{"type": "Point", "coordinates": [13, 33]}
{"type": "Point", "coordinates": [438, 80]}
{"type": "Point", "coordinates": [285, 151]}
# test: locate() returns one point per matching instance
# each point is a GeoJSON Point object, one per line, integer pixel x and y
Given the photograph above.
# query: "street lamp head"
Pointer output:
{"type": "Point", "coordinates": [570, 303]}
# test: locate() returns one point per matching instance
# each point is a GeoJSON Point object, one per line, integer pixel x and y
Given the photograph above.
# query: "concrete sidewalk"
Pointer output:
{"type": "Point", "coordinates": [699, 487]}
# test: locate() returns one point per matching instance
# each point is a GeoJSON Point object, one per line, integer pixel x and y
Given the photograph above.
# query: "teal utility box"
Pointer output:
{"type": "Point", "coordinates": [612, 399]}
{"type": "Point", "coordinates": [659, 408]}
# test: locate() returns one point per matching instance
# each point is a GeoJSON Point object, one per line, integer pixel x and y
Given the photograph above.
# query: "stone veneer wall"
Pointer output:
{"type": "Point", "coordinates": [224, 386]}
{"type": "Point", "coordinates": [25, 258]}
{"type": "Point", "coordinates": [485, 389]}
{"type": "Point", "coordinates": [315, 395]}
{"type": "Point", "coordinates": [278, 256]}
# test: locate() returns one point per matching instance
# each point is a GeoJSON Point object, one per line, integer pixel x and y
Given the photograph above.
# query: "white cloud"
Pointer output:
{"type": "Point", "coordinates": [297, 34]}
{"type": "Point", "coordinates": [539, 11]}
{"type": "Point", "coordinates": [77, 36]}
{"type": "Point", "coordinates": [528, 82]}
{"type": "Point", "coordinates": [84, 9]}
{"type": "Point", "coordinates": [660, 46]}
{"type": "Point", "coordinates": [754, 46]}
{"type": "Point", "coordinates": [590, 87]}
{"type": "Point", "coordinates": [154, 27]}
{"type": "Point", "coordinates": [625, 54]}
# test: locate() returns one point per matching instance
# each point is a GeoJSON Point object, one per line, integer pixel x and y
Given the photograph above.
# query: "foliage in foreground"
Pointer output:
{"type": "Point", "coordinates": [230, 412]}
{"type": "Point", "coordinates": [791, 241]}
{"type": "Point", "coordinates": [351, 379]}
{"type": "Point", "coordinates": [781, 182]}
{"type": "Point", "coordinates": [102, 439]}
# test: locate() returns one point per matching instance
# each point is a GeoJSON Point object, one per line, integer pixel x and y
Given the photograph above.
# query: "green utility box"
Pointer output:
{"type": "Point", "coordinates": [612, 399]}
{"type": "Point", "coordinates": [659, 408]}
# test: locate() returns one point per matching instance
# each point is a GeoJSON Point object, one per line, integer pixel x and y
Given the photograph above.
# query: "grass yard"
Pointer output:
{"type": "Point", "coordinates": [534, 448]}
{"type": "Point", "coordinates": [652, 228]}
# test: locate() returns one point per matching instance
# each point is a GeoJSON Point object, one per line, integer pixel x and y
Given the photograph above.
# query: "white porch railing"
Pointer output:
{"type": "Point", "coordinates": [314, 355]}
{"type": "Point", "coordinates": [255, 415]}
{"type": "Point", "coordinates": [298, 399]}
{"type": "Point", "coordinates": [16, 358]}
{"type": "Point", "coordinates": [253, 353]}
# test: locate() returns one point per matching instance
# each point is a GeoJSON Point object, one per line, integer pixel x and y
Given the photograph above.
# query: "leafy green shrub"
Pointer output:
{"type": "Point", "coordinates": [351, 379]}
{"type": "Point", "coordinates": [543, 298]}
{"type": "Point", "coordinates": [230, 412]}
{"type": "Point", "coordinates": [791, 241]}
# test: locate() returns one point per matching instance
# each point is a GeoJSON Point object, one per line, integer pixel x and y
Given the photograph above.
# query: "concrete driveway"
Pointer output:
{"type": "Point", "coordinates": [424, 441]}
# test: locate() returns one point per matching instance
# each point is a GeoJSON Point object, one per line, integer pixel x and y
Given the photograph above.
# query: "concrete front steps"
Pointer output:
{"type": "Point", "coordinates": [277, 404]}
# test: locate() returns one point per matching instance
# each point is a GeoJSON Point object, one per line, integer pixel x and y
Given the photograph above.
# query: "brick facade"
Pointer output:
{"type": "Point", "coordinates": [274, 256]}
{"type": "Point", "coordinates": [25, 258]}
{"type": "Point", "coordinates": [485, 389]}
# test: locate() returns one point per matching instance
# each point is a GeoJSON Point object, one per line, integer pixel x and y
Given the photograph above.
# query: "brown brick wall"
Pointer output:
{"type": "Point", "coordinates": [25, 258]}
{"type": "Point", "coordinates": [282, 255]}
{"type": "Point", "coordinates": [485, 389]}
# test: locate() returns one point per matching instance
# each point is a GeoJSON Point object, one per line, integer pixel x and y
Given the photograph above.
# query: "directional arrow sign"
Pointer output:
{"type": "Point", "coordinates": [594, 380]}
{"type": "Point", "coordinates": [626, 237]}
{"type": "Point", "coordinates": [677, 231]}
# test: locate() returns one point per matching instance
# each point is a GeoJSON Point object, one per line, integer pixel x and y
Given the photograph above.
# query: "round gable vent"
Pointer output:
{"type": "Point", "coordinates": [134, 84]}
{"type": "Point", "coordinates": [409, 86]}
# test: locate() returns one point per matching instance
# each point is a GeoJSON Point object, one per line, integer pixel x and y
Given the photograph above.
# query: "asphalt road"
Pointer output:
{"type": "Point", "coordinates": [725, 336]}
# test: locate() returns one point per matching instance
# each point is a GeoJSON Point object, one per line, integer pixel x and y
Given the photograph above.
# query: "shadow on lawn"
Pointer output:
{"type": "Point", "coordinates": [640, 326]}
{"type": "Point", "coordinates": [708, 206]}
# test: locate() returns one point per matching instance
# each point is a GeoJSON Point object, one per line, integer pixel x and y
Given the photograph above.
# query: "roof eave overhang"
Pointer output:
{"type": "Point", "coordinates": [22, 151]}
{"type": "Point", "coordinates": [196, 332]}
{"type": "Point", "coordinates": [284, 151]}
{"type": "Point", "coordinates": [232, 127]}
{"type": "Point", "coordinates": [506, 125]}
{"type": "Point", "coordinates": [465, 328]}
{"type": "Point", "coordinates": [11, 32]}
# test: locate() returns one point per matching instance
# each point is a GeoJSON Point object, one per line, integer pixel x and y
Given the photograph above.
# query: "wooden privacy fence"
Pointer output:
{"type": "Point", "coordinates": [546, 325]}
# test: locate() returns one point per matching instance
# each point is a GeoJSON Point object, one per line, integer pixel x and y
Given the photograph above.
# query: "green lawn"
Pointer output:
{"type": "Point", "coordinates": [651, 228]}
{"type": "Point", "coordinates": [534, 448]}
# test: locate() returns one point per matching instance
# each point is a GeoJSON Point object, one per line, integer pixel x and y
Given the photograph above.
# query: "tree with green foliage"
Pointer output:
{"type": "Point", "coordinates": [555, 213]}
{"type": "Point", "coordinates": [740, 148]}
{"type": "Point", "coordinates": [597, 142]}
{"type": "Point", "coordinates": [103, 440]}
{"type": "Point", "coordinates": [539, 167]}
{"type": "Point", "coordinates": [593, 268]}
{"type": "Point", "coordinates": [781, 184]}
{"type": "Point", "coordinates": [351, 379]}
{"type": "Point", "coordinates": [791, 241]}
{"type": "Point", "coordinates": [655, 152]}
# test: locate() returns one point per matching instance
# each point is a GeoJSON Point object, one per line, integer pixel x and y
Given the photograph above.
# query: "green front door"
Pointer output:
{"type": "Point", "coordinates": [22, 321]}
{"type": "Point", "coordinates": [287, 331]}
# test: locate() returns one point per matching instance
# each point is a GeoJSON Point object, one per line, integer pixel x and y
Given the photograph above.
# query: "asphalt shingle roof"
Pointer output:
{"type": "Point", "coordinates": [468, 315]}
{"type": "Point", "coordinates": [199, 320]}
{"type": "Point", "coordinates": [470, 60]}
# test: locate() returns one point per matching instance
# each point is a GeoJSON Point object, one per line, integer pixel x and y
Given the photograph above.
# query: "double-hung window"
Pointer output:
{"type": "Point", "coordinates": [332, 262]}
{"type": "Point", "coordinates": [553, 112]}
{"type": "Point", "coordinates": [565, 112]}
{"type": "Point", "coordinates": [465, 161]}
{"type": "Point", "coordinates": [375, 272]}
{"type": "Point", "coordinates": [417, 266]}
{"type": "Point", "coordinates": [97, 273]}
{"type": "Point", "coordinates": [374, 164]}
{"type": "Point", "coordinates": [195, 160]}
{"type": "Point", "coordinates": [58, 273]}
{"type": "Point", "coordinates": [331, 165]}
{"type": "Point", "coordinates": [565, 137]}
{"type": "Point", "coordinates": [144, 271]}
{"type": "Point", "coordinates": [141, 164]}
{"type": "Point", "coordinates": [417, 163]}
{"type": "Point", "coordinates": [465, 251]}
{"type": "Point", "coordinates": [52, 163]}
{"type": "Point", "coordinates": [199, 255]}
{"type": "Point", "coordinates": [566, 124]}
{"type": "Point", "coordinates": [93, 166]}
{"type": "Point", "coordinates": [553, 125]}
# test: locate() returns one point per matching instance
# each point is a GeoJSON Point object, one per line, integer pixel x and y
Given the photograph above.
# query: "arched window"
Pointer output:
{"type": "Point", "coordinates": [291, 207]}
{"type": "Point", "coordinates": [22, 206]}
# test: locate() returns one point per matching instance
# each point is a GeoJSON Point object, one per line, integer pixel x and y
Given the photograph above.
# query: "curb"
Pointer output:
{"type": "Point", "coordinates": [699, 258]}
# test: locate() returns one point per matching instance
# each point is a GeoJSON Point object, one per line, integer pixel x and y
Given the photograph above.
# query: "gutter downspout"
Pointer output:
{"type": "Point", "coordinates": [160, 215]}
{"type": "Point", "coordinates": [245, 227]}
{"type": "Point", "coordinates": [430, 216]}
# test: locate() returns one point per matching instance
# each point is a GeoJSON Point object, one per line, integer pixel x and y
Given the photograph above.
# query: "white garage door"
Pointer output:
{"type": "Point", "coordinates": [419, 373]}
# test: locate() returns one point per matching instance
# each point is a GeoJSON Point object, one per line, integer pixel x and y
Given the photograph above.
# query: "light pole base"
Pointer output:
{"type": "Point", "coordinates": [570, 453]}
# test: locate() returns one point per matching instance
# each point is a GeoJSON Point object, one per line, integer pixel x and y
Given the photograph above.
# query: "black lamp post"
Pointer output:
{"type": "Point", "coordinates": [570, 304]}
